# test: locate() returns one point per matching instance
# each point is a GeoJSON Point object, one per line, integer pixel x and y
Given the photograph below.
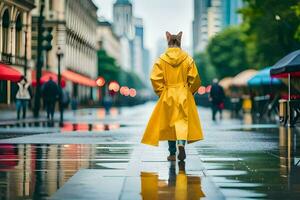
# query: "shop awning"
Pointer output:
{"type": "Point", "coordinates": [9, 73]}
{"type": "Point", "coordinates": [78, 78]}
{"type": "Point", "coordinates": [45, 77]}
{"type": "Point", "coordinates": [242, 78]}
{"type": "Point", "coordinates": [263, 77]}
{"type": "Point", "coordinates": [226, 82]}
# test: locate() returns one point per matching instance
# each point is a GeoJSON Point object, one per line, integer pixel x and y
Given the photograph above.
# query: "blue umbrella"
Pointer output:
{"type": "Point", "coordinates": [263, 77]}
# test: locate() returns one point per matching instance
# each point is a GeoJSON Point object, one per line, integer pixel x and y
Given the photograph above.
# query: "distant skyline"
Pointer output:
{"type": "Point", "coordinates": [159, 17]}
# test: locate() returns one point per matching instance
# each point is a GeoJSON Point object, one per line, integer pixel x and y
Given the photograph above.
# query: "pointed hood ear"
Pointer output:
{"type": "Point", "coordinates": [168, 35]}
{"type": "Point", "coordinates": [179, 35]}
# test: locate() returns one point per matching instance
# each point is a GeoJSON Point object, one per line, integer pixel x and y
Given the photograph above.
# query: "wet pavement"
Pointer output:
{"type": "Point", "coordinates": [99, 157]}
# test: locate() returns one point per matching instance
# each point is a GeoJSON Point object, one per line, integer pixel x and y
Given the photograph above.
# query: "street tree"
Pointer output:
{"type": "Point", "coordinates": [271, 29]}
{"type": "Point", "coordinates": [205, 69]}
{"type": "Point", "coordinates": [227, 52]}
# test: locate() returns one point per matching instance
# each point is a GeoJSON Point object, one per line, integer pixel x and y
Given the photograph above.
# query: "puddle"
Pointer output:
{"type": "Point", "coordinates": [38, 171]}
{"type": "Point", "coordinates": [69, 126]}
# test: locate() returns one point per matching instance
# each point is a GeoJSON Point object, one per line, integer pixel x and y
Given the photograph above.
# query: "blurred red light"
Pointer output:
{"type": "Point", "coordinates": [201, 90]}
{"type": "Point", "coordinates": [208, 88]}
{"type": "Point", "coordinates": [114, 86]}
{"type": "Point", "coordinates": [100, 81]}
{"type": "Point", "coordinates": [132, 92]}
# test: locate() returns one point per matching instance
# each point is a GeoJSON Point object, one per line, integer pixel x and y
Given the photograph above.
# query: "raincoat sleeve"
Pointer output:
{"type": "Point", "coordinates": [157, 78]}
{"type": "Point", "coordinates": [193, 78]}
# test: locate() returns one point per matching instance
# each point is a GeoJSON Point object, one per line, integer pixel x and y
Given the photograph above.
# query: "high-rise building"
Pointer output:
{"type": "Point", "coordinates": [123, 27]}
{"type": "Point", "coordinates": [130, 29]}
{"type": "Point", "coordinates": [200, 37]}
{"type": "Point", "coordinates": [211, 17]}
{"type": "Point", "coordinates": [230, 12]}
{"type": "Point", "coordinates": [123, 19]}
{"type": "Point", "coordinates": [138, 47]}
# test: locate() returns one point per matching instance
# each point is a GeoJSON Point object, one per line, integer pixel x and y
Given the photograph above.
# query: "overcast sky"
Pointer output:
{"type": "Point", "coordinates": [159, 16]}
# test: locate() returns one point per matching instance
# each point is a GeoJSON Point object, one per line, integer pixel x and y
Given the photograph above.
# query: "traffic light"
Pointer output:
{"type": "Point", "coordinates": [47, 38]}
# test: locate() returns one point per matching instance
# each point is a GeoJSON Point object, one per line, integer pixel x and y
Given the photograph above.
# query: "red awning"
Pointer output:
{"type": "Point", "coordinates": [78, 78]}
{"type": "Point", "coordinates": [45, 77]}
{"type": "Point", "coordinates": [9, 73]}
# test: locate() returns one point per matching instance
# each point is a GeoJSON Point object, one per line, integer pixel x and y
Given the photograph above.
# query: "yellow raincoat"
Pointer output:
{"type": "Point", "coordinates": [175, 79]}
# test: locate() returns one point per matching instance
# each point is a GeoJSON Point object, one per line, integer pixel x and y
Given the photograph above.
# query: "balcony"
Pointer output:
{"type": "Point", "coordinates": [12, 60]}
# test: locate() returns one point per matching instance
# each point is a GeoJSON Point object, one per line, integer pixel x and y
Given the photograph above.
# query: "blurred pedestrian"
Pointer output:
{"type": "Point", "coordinates": [22, 97]}
{"type": "Point", "coordinates": [107, 103]}
{"type": "Point", "coordinates": [65, 99]}
{"type": "Point", "coordinates": [217, 97]}
{"type": "Point", "coordinates": [175, 118]}
{"type": "Point", "coordinates": [74, 104]}
{"type": "Point", "coordinates": [50, 94]}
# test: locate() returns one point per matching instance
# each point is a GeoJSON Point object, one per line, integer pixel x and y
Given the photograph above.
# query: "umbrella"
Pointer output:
{"type": "Point", "coordinates": [288, 66]}
{"type": "Point", "coordinates": [263, 78]}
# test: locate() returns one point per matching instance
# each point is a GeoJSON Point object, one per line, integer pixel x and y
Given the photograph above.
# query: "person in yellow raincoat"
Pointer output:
{"type": "Point", "coordinates": [174, 79]}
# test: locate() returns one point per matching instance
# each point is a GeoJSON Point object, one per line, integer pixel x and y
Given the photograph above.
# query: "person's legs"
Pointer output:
{"type": "Point", "coordinates": [172, 147]}
{"type": "Point", "coordinates": [181, 149]}
{"type": "Point", "coordinates": [221, 113]}
{"type": "Point", "coordinates": [51, 108]}
{"type": "Point", "coordinates": [172, 150]}
{"type": "Point", "coordinates": [214, 112]}
{"type": "Point", "coordinates": [24, 107]}
{"type": "Point", "coordinates": [18, 106]}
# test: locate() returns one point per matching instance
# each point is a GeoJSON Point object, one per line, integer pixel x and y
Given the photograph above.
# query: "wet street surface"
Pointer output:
{"type": "Point", "coordinates": [94, 156]}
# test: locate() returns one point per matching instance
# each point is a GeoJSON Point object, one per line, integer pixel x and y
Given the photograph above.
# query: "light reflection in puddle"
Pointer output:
{"type": "Point", "coordinates": [68, 126]}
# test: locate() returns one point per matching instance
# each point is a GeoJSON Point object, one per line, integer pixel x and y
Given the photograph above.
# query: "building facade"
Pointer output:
{"type": "Point", "coordinates": [109, 41]}
{"type": "Point", "coordinates": [15, 42]}
{"type": "Point", "coordinates": [138, 48]}
{"type": "Point", "coordinates": [130, 29]}
{"type": "Point", "coordinates": [200, 37]}
{"type": "Point", "coordinates": [74, 24]}
{"type": "Point", "coordinates": [211, 17]}
{"type": "Point", "coordinates": [123, 19]}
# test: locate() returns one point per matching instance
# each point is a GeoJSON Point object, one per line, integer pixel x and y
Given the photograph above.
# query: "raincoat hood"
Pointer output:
{"type": "Point", "coordinates": [174, 56]}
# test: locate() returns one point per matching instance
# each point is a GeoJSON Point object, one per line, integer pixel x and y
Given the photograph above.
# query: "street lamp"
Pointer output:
{"type": "Point", "coordinates": [59, 55]}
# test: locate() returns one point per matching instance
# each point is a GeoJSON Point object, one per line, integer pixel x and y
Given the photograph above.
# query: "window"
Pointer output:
{"type": "Point", "coordinates": [5, 31]}
{"type": "Point", "coordinates": [18, 36]}
{"type": "Point", "coordinates": [50, 4]}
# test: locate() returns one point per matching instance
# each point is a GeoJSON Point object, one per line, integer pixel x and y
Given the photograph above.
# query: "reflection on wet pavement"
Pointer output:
{"type": "Point", "coordinates": [89, 127]}
{"type": "Point", "coordinates": [177, 186]}
{"type": "Point", "coordinates": [267, 167]}
{"type": "Point", "coordinates": [237, 160]}
{"type": "Point", "coordinates": [37, 171]}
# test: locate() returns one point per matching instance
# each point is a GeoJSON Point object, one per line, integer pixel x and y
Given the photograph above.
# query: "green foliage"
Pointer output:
{"type": "Point", "coordinates": [227, 52]}
{"type": "Point", "coordinates": [205, 68]}
{"type": "Point", "coordinates": [296, 8]}
{"type": "Point", "coordinates": [271, 29]}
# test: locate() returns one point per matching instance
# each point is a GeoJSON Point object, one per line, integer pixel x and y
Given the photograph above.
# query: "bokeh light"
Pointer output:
{"type": "Point", "coordinates": [201, 90]}
{"type": "Point", "coordinates": [208, 88]}
{"type": "Point", "coordinates": [132, 92]}
{"type": "Point", "coordinates": [114, 86]}
{"type": "Point", "coordinates": [100, 81]}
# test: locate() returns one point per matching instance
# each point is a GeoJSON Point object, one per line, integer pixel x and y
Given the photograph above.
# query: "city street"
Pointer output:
{"type": "Point", "coordinates": [100, 157]}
